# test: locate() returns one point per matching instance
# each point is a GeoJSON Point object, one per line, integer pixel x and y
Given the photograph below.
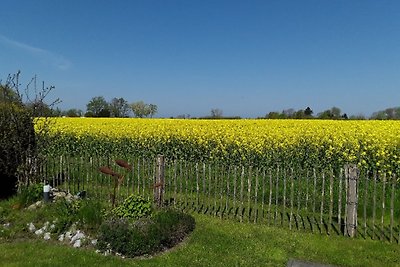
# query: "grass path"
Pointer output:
{"type": "Point", "coordinates": [217, 242]}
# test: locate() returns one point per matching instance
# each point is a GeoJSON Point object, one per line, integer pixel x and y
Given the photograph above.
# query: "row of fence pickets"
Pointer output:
{"type": "Point", "coordinates": [339, 201]}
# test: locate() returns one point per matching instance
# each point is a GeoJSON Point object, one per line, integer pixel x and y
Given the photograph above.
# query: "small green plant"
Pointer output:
{"type": "Point", "coordinates": [90, 214]}
{"type": "Point", "coordinates": [119, 235]}
{"type": "Point", "coordinates": [30, 194]}
{"type": "Point", "coordinates": [134, 207]}
{"type": "Point", "coordinates": [64, 212]}
{"type": "Point", "coordinates": [144, 236]}
{"type": "Point", "coordinates": [171, 226]}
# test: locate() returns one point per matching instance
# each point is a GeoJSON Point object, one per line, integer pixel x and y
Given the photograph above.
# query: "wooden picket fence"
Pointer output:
{"type": "Point", "coordinates": [334, 202]}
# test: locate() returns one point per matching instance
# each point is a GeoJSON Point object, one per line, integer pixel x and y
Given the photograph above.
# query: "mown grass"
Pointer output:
{"type": "Point", "coordinates": [217, 242]}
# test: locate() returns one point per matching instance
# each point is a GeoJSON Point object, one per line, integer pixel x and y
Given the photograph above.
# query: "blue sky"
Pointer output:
{"type": "Point", "coordinates": [244, 57]}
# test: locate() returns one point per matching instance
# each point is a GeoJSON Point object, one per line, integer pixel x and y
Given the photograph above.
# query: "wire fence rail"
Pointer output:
{"type": "Point", "coordinates": [339, 201]}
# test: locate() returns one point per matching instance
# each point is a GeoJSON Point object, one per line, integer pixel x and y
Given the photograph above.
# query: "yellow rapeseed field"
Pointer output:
{"type": "Point", "coordinates": [370, 144]}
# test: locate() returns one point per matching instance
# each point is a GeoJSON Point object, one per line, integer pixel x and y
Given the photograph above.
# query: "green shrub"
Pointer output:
{"type": "Point", "coordinates": [90, 214]}
{"type": "Point", "coordinates": [144, 236]}
{"type": "Point", "coordinates": [172, 226]}
{"type": "Point", "coordinates": [17, 140]}
{"type": "Point", "coordinates": [134, 207]}
{"type": "Point", "coordinates": [20, 144]}
{"type": "Point", "coordinates": [30, 194]}
{"type": "Point", "coordinates": [64, 212]}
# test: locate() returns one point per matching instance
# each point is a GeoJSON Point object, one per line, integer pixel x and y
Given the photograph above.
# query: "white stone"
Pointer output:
{"type": "Point", "coordinates": [47, 236]}
{"type": "Point", "coordinates": [52, 226]}
{"type": "Point", "coordinates": [94, 242]}
{"type": "Point", "coordinates": [61, 237]}
{"type": "Point", "coordinates": [77, 243]}
{"type": "Point", "coordinates": [68, 235]}
{"type": "Point", "coordinates": [45, 226]}
{"type": "Point", "coordinates": [35, 205]}
{"type": "Point", "coordinates": [39, 232]}
{"type": "Point", "coordinates": [77, 236]}
{"type": "Point", "coordinates": [31, 227]}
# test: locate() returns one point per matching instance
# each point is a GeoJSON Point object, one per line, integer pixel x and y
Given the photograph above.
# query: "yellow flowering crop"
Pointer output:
{"type": "Point", "coordinates": [370, 144]}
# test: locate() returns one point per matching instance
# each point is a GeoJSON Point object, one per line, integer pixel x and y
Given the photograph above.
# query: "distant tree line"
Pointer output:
{"type": "Point", "coordinates": [333, 113]}
{"type": "Point", "coordinates": [116, 108]}
{"type": "Point", "coordinates": [120, 108]}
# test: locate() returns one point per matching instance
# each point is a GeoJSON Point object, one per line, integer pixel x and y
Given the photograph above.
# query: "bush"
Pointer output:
{"type": "Point", "coordinates": [19, 156]}
{"type": "Point", "coordinates": [172, 226]}
{"type": "Point", "coordinates": [144, 236]}
{"type": "Point", "coordinates": [90, 214]}
{"type": "Point", "coordinates": [134, 207]}
{"type": "Point", "coordinates": [30, 194]}
{"type": "Point", "coordinates": [17, 141]}
{"type": "Point", "coordinates": [64, 212]}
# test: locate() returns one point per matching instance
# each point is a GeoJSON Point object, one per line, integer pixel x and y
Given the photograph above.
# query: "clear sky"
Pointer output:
{"type": "Point", "coordinates": [244, 57]}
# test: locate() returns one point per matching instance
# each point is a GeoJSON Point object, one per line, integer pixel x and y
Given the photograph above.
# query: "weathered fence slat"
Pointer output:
{"type": "Point", "coordinates": [263, 196]}
{"type": "Point", "coordinates": [307, 191]}
{"type": "Point", "coordinates": [393, 181]}
{"type": "Point", "coordinates": [331, 202]}
{"type": "Point", "coordinates": [159, 182]}
{"type": "Point", "coordinates": [174, 173]}
{"type": "Point", "coordinates": [284, 197]}
{"type": "Point", "coordinates": [276, 195]}
{"type": "Point", "coordinates": [365, 205]}
{"type": "Point", "coordinates": [255, 197]}
{"type": "Point", "coordinates": [228, 193]}
{"type": "Point", "coordinates": [321, 222]}
{"type": "Point", "coordinates": [197, 187]}
{"type": "Point", "coordinates": [249, 193]}
{"type": "Point", "coordinates": [221, 190]}
{"type": "Point", "coordinates": [374, 206]}
{"type": "Point", "coordinates": [234, 191]}
{"type": "Point", "coordinates": [299, 191]}
{"type": "Point", "coordinates": [204, 184]}
{"type": "Point", "coordinates": [340, 193]}
{"type": "Point", "coordinates": [241, 193]}
{"type": "Point", "coordinates": [383, 207]}
{"type": "Point", "coordinates": [314, 197]}
{"type": "Point", "coordinates": [270, 198]}
{"type": "Point", "coordinates": [351, 173]}
{"type": "Point", "coordinates": [291, 198]}
{"type": "Point", "coordinates": [215, 189]}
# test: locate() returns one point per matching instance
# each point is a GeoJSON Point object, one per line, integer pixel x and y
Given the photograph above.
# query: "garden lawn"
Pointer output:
{"type": "Point", "coordinates": [217, 242]}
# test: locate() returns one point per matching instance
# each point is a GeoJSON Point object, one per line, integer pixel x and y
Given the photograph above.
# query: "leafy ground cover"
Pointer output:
{"type": "Point", "coordinates": [217, 242]}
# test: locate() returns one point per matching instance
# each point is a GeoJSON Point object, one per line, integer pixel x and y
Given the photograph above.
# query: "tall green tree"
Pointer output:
{"type": "Point", "coordinates": [73, 112]}
{"type": "Point", "coordinates": [216, 113]}
{"type": "Point", "coordinates": [330, 114]}
{"type": "Point", "coordinates": [153, 110]}
{"type": "Point", "coordinates": [141, 109]}
{"type": "Point", "coordinates": [97, 107]}
{"type": "Point", "coordinates": [308, 112]}
{"type": "Point", "coordinates": [119, 108]}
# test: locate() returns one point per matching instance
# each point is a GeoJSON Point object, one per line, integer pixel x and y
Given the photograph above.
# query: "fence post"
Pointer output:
{"type": "Point", "coordinates": [159, 183]}
{"type": "Point", "coordinates": [352, 175]}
